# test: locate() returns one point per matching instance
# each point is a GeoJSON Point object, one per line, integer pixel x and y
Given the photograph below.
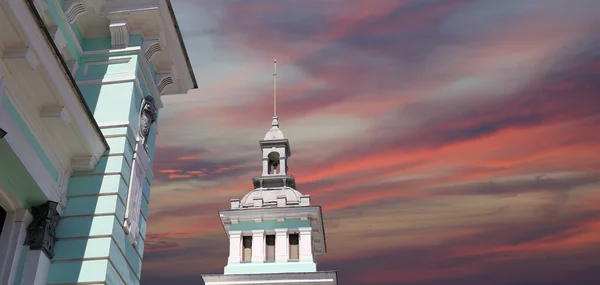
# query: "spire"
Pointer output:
{"type": "Point", "coordinates": [274, 133]}
{"type": "Point", "coordinates": [275, 122]}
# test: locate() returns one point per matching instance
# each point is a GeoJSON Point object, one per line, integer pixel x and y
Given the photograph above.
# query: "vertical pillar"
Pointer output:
{"type": "Point", "coordinates": [281, 245]}
{"type": "Point", "coordinates": [37, 268]}
{"type": "Point", "coordinates": [258, 246]}
{"type": "Point", "coordinates": [282, 167]}
{"type": "Point", "coordinates": [265, 164]}
{"type": "Point", "coordinates": [13, 237]}
{"type": "Point", "coordinates": [235, 244]}
{"type": "Point", "coordinates": [305, 244]}
{"type": "Point", "coordinates": [41, 238]}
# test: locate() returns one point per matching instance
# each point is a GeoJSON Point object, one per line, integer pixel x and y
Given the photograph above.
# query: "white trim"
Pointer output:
{"type": "Point", "coordinates": [280, 281]}
{"type": "Point", "coordinates": [23, 149]}
{"type": "Point", "coordinates": [119, 34]}
{"type": "Point", "coordinates": [74, 9]}
{"type": "Point", "coordinates": [171, 31]}
{"type": "Point", "coordinates": [107, 63]}
{"type": "Point", "coordinates": [133, 79]}
{"type": "Point", "coordinates": [12, 239]}
{"type": "Point", "coordinates": [105, 80]}
{"type": "Point", "coordinates": [31, 118]}
{"type": "Point", "coordinates": [55, 73]}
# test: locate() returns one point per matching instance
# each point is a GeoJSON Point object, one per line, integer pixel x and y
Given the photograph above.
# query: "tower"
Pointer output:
{"type": "Point", "coordinates": [275, 234]}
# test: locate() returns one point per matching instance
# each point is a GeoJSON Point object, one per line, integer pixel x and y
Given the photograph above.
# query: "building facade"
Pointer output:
{"type": "Point", "coordinates": [80, 94]}
{"type": "Point", "coordinates": [275, 234]}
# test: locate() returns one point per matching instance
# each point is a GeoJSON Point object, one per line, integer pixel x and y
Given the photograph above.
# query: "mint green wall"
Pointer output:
{"type": "Point", "coordinates": [270, 225]}
{"type": "Point", "coordinates": [92, 222]}
{"type": "Point", "coordinates": [15, 178]}
{"type": "Point", "coordinates": [272, 267]}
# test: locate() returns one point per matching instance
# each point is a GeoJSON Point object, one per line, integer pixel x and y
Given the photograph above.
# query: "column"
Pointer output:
{"type": "Point", "coordinates": [282, 165]}
{"type": "Point", "coordinates": [281, 245]}
{"type": "Point", "coordinates": [305, 244]}
{"type": "Point", "coordinates": [258, 245]}
{"type": "Point", "coordinates": [12, 239]}
{"type": "Point", "coordinates": [36, 268]}
{"type": "Point", "coordinates": [41, 241]}
{"type": "Point", "coordinates": [235, 244]}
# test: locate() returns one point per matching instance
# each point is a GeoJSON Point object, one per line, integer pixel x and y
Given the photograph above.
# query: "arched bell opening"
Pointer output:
{"type": "Point", "coordinates": [273, 163]}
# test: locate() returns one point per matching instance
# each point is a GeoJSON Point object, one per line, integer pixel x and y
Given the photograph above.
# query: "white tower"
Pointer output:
{"type": "Point", "coordinates": [275, 234]}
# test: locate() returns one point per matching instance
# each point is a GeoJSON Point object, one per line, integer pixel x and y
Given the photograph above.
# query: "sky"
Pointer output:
{"type": "Point", "coordinates": [448, 142]}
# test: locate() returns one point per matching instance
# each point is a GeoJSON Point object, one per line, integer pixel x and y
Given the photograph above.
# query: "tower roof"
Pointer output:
{"type": "Point", "coordinates": [274, 133]}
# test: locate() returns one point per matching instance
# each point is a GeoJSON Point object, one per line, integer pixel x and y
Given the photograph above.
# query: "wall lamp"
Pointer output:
{"type": "Point", "coordinates": [2, 133]}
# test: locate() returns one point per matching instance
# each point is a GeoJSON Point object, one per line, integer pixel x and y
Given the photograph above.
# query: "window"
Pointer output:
{"type": "Point", "coordinates": [247, 249]}
{"type": "Point", "coordinates": [294, 250]}
{"type": "Point", "coordinates": [2, 219]}
{"type": "Point", "coordinates": [270, 246]}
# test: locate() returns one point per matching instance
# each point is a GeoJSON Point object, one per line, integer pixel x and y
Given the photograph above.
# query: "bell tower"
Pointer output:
{"type": "Point", "coordinates": [275, 234]}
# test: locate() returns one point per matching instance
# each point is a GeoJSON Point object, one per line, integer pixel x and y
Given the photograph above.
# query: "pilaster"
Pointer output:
{"type": "Point", "coordinates": [13, 239]}
{"type": "Point", "coordinates": [258, 246]}
{"type": "Point", "coordinates": [235, 242]}
{"type": "Point", "coordinates": [36, 268]}
{"type": "Point", "coordinates": [281, 245]}
{"type": "Point", "coordinates": [306, 252]}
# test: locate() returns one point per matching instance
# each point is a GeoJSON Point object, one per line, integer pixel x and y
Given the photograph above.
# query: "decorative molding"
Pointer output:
{"type": "Point", "coordinates": [41, 6]}
{"type": "Point", "coordinates": [182, 65]}
{"type": "Point", "coordinates": [74, 9]}
{"type": "Point", "coordinates": [84, 163]}
{"type": "Point", "coordinates": [134, 198]}
{"type": "Point", "coordinates": [41, 233]}
{"type": "Point", "coordinates": [85, 127]}
{"type": "Point", "coordinates": [87, 65]}
{"type": "Point", "coordinates": [18, 142]}
{"type": "Point", "coordinates": [59, 38]}
{"type": "Point", "coordinates": [96, 5]}
{"type": "Point", "coordinates": [119, 34]}
{"type": "Point", "coordinates": [150, 47]}
{"type": "Point", "coordinates": [21, 59]}
{"type": "Point", "coordinates": [43, 10]}
{"type": "Point", "coordinates": [73, 66]}
{"type": "Point", "coordinates": [56, 112]}
{"type": "Point", "coordinates": [162, 80]}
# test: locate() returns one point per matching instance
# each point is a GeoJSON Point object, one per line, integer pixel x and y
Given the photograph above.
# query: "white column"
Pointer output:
{"type": "Point", "coordinates": [282, 165]}
{"type": "Point", "coordinates": [305, 244]}
{"type": "Point", "coordinates": [13, 237]}
{"type": "Point", "coordinates": [265, 164]}
{"type": "Point", "coordinates": [281, 245]}
{"type": "Point", "coordinates": [36, 268]}
{"type": "Point", "coordinates": [235, 246]}
{"type": "Point", "coordinates": [258, 245]}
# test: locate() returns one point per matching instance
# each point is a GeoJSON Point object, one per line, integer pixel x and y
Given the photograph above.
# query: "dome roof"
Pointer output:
{"type": "Point", "coordinates": [269, 196]}
{"type": "Point", "coordinates": [274, 133]}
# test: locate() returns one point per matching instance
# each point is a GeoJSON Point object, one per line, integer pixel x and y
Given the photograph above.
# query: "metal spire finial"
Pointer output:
{"type": "Point", "coordinates": [275, 88]}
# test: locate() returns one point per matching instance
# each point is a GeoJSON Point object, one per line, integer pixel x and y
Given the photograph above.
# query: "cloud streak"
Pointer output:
{"type": "Point", "coordinates": [449, 142]}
